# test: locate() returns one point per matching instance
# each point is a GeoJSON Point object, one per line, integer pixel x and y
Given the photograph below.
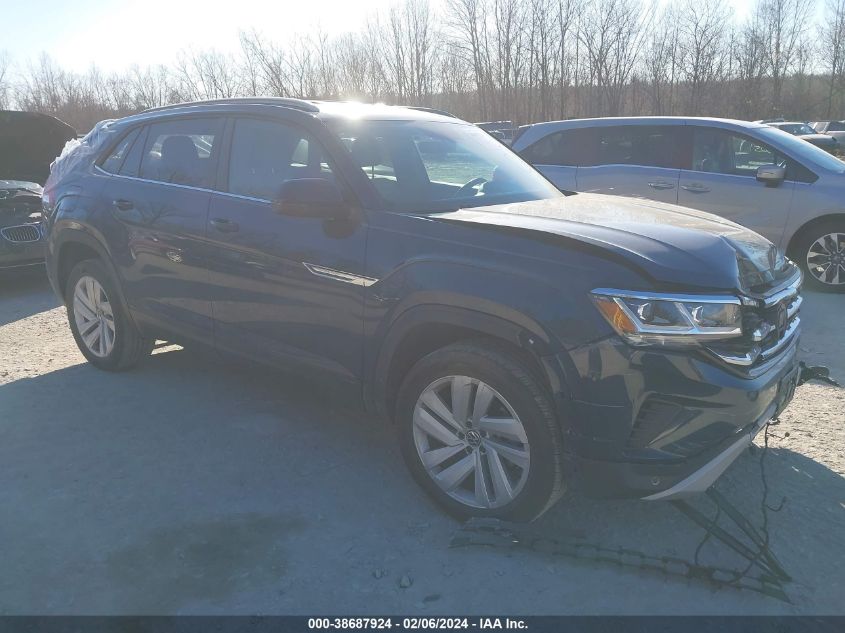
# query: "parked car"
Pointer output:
{"type": "Point", "coordinates": [514, 334]}
{"type": "Point", "coordinates": [787, 190]}
{"type": "Point", "coordinates": [805, 132]}
{"type": "Point", "coordinates": [500, 130]}
{"type": "Point", "coordinates": [836, 129]}
{"type": "Point", "coordinates": [29, 142]}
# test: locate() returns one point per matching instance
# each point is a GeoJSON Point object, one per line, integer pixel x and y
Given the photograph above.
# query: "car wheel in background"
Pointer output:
{"type": "Point", "coordinates": [479, 434]}
{"type": "Point", "coordinates": [820, 251]}
{"type": "Point", "coordinates": [99, 322]}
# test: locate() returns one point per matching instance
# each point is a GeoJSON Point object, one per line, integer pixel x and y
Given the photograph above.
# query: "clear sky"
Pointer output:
{"type": "Point", "coordinates": [114, 34]}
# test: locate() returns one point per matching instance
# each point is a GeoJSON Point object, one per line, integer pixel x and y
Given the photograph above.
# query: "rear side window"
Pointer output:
{"type": "Point", "coordinates": [114, 161]}
{"type": "Point", "coordinates": [182, 152]}
{"type": "Point", "coordinates": [265, 154]}
{"type": "Point", "coordinates": [565, 148]}
{"type": "Point", "coordinates": [642, 145]}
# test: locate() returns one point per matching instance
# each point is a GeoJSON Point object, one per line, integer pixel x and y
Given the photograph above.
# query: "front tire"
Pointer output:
{"type": "Point", "coordinates": [820, 251]}
{"type": "Point", "coordinates": [479, 435]}
{"type": "Point", "coordinates": [99, 321]}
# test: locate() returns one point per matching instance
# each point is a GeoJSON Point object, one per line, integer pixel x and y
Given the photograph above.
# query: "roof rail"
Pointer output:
{"type": "Point", "coordinates": [432, 111]}
{"type": "Point", "coordinates": [299, 104]}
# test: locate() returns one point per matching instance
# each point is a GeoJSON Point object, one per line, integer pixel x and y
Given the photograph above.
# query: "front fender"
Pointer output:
{"type": "Point", "coordinates": [520, 310]}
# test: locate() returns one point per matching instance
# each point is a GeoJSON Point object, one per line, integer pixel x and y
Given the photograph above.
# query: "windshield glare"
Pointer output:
{"type": "Point", "coordinates": [423, 166]}
{"type": "Point", "coordinates": [802, 150]}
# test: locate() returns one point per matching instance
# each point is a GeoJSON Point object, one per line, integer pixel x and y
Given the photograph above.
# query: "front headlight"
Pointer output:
{"type": "Point", "coordinates": [654, 318]}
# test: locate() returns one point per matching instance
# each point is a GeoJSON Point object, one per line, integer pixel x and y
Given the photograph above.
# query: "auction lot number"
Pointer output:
{"type": "Point", "coordinates": [413, 624]}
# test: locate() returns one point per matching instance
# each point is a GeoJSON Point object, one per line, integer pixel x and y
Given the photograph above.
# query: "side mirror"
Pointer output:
{"type": "Point", "coordinates": [771, 175]}
{"type": "Point", "coordinates": [311, 198]}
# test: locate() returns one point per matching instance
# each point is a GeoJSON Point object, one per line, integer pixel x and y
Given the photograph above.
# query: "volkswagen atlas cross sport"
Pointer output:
{"type": "Point", "coordinates": [519, 338]}
{"type": "Point", "coordinates": [784, 188]}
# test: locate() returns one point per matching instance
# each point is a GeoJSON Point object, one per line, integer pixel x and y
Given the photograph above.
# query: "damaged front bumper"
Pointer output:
{"type": "Point", "coordinates": [656, 424]}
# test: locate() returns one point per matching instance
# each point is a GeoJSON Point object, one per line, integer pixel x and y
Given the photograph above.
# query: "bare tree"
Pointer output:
{"type": "Point", "coordinates": [614, 33]}
{"type": "Point", "coordinates": [469, 24]}
{"type": "Point", "coordinates": [701, 51]}
{"type": "Point", "coordinates": [661, 65]}
{"type": "Point", "coordinates": [5, 79]}
{"type": "Point", "coordinates": [784, 25]}
{"type": "Point", "coordinates": [833, 52]}
{"type": "Point", "coordinates": [524, 60]}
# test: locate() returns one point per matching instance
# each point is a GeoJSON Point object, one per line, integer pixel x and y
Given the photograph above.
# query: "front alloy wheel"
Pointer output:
{"type": "Point", "coordinates": [471, 442]}
{"type": "Point", "coordinates": [826, 259]}
{"type": "Point", "coordinates": [479, 432]}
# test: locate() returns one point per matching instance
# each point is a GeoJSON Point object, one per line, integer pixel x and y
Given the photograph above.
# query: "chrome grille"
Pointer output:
{"type": "Point", "coordinates": [21, 233]}
{"type": "Point", "coordinates": [770, 323]}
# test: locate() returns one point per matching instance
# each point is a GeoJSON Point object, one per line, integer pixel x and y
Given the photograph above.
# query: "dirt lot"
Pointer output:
{"type": "Point", "coordinates": [194, 486]}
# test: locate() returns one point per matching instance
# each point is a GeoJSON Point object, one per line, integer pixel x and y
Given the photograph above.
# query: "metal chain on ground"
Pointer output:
{"type": "Point", "coordinates": [770, 580]}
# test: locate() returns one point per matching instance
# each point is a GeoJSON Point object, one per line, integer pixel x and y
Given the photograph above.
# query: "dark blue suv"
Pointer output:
{"type": "Point", "coordinates": [520, 338]}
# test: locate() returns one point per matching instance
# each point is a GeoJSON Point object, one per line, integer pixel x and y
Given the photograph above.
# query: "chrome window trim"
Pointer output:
{"type": "Point", "coordinates": [180, 186]}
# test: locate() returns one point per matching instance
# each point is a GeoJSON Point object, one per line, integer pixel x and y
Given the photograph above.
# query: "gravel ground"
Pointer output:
{"type": "Point", "coordinates": [190, 485]}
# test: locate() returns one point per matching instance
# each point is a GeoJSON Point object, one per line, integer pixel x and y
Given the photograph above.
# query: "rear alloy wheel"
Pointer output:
{"type": "Point", "coordinates": [94, 316]}
{"type": "Point", "coordinates": [479, 434]}
{"type": "Point", "coordinates": [99, 321]}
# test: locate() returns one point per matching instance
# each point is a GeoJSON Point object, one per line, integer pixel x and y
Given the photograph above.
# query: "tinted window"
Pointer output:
{"type": "Point", "coordinates": [645, 145]}
{"type": "Point", "coordinates": [559, 148]}
{"type": "Point", "coordinates": [181, 152]}
{"type": "Point", "coordinates": [114, 160]}
{"type": "Point", "coordinates": [836, 126]}
{"type": "Point", "coordinates": [266, 153]}
{"type": "Point", "coordinates": [721, 152]}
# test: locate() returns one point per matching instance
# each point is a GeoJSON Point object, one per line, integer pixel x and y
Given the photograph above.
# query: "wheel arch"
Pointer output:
{"type": "Point", "coordinates": [73, 247]}
{"type": "Point", "coordinates": [808, 226]}
{"type": "Point", "coordinates": [426, 328]}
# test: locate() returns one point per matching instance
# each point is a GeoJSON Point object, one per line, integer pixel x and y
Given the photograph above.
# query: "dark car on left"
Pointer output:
{"type": "Point", "coordinates": [29, 142]}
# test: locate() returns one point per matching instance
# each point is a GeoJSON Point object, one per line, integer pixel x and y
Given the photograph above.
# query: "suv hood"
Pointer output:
{"type": "Point", "coordinates": [29, 142]}
{"type": "Point", "coordinates": [673, 245]}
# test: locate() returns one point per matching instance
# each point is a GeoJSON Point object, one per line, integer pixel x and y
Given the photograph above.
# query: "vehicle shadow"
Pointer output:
{"type": "Point", "coordinates": [110, 476]}
{"type": "Point", "coordinates": [23, 293]}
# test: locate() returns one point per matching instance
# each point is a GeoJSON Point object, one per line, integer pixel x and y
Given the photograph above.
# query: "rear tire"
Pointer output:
{"type": "Point", "coordinates": [508, 433]}
{"type": "Point", "coordinates": [99, 319]}
{"type": "Point", "coordinates": [820, 252]}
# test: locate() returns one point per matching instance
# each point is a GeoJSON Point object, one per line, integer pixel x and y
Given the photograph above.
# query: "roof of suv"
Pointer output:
{"type": "Point", "coordinates": [321, 109]}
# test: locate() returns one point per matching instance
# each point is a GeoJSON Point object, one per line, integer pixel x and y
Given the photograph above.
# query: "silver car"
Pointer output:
{"type": "Point", "coordinates": [786, 189]}
{"type": "Point", "coordinates": [836, 129]}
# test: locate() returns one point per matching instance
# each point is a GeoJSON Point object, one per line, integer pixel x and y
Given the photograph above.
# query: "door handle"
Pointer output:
{"type": "Point", "coordinates": [661, 184]}
{"type": "Point", "coordinates": [695, 188]}
{"type": "Point", "coordinates": [224, 226]}
{"type": "Point", "coordinates": [121, 204]}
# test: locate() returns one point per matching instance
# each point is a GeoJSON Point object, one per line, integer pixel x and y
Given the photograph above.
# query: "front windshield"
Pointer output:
{"type": "Point", "coordinates": [801, 150]}
{"type": "Point", "coordinates": [425, 166]}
